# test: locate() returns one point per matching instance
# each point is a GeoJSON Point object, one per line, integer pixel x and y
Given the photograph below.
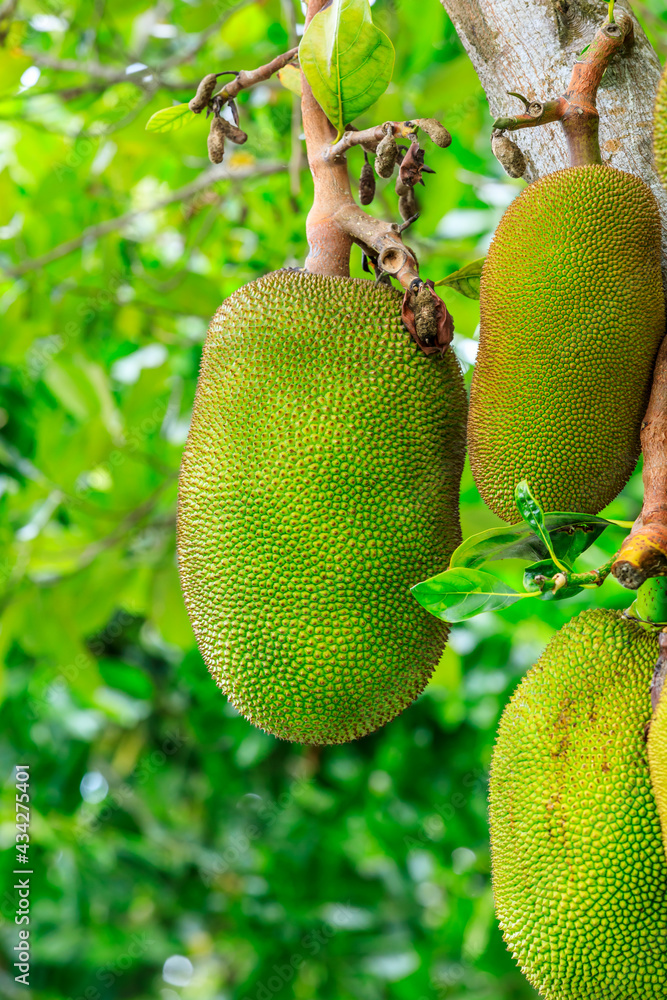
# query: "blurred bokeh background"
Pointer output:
{"type": "Point", "coordinates": [177, 851]}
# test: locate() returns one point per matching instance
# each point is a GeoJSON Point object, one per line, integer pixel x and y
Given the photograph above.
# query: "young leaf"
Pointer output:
{"type": "Point", "coordinates": [571, 534]}
{"type": "Point", "coordinates": [516, 541]}
{"type": "Point", "coordinates": [290, 77]}
{"type": "Point", "coordinates": [458, 594]}
{"type": "Point", "coordinates": [347, 61]}
{"type": "Point", "coordinates": [169, 119]}
{"type": "Point", "coordinates": [466, 280]}
{"type": "Point", "coordinates": [533, 515]}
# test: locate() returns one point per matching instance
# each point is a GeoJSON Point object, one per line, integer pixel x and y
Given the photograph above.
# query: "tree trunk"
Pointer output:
{"type": "Point", "coordinates": [529, 47]}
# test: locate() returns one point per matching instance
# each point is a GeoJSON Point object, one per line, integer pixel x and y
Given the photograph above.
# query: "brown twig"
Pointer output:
{"type": "Point", "coordinates": [114, 74]}
{"type": "Point", "coordinates": [335, 221]}
{"type": "Point", "coordinates": [644, 552]}
{"type": "Point", "coordinates": [250, 78]}
{"type": "Point", "coordinates": [368, 138]}
{"type": "Point", "coordinates": [576, 109]}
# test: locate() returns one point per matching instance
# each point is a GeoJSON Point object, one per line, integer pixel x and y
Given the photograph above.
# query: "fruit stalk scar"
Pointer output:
{"type": "Point", "coordinates": [576, 109]}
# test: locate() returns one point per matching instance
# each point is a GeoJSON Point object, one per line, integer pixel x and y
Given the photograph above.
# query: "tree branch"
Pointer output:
{"type": "Point", "coordinates": [7, 11]}
{"type": "Point", "coordinates": [369, 138]}
{"type": "Point", "coordinates": [530, 49]}
{"type": "Point", "coordinates": [250, 78]}
{"type": "Point", "coordinates": [576, 109]}
{"type": "Point", "coordinates": [644, 552]}
{"type": "Point", "coordinates": [113, 74]}
{"type": "Point", "coordinates": [335, 221]}
{"type": "Point", "coordinates": [208, 177]}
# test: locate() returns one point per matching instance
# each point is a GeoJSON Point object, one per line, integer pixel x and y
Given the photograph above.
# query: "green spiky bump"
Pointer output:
{"type": "Point", "coordinates": [579, 869]}
{"type": "Point", "coordinates": [572, 314]}
{"type": "Point", "coordinates": [657, 755]}
{"type": "Point", "coordinates": [319, 483]}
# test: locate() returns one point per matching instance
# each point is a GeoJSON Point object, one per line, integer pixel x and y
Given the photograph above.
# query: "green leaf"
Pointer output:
{"type": "Point", "coordinates": [347, 60]}
{"type": "Point", "coordinates": [571, 534]}
{"type": "Point", "coordinates": [290, 77]}
{"type": "Point", "coordinates": [458, 594]}
{"type": "Point", "coordinates": [466, 280]}
{"type": "Point", "coordinates": [170, 119]}
{"type": "Point", "coordinates": [533, 515]}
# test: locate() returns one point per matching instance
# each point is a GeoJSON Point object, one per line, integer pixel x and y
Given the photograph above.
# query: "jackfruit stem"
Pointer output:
{"type": "Point", "coordinates": [335, 221]}
{"type": "Point", "coordinates": [643, 554]}
{"type": "Point", "coordinates": [576, 109]}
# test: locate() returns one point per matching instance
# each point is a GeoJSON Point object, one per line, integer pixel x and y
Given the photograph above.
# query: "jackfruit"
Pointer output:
{"type": "Point", "coordinates": [319, 483]}
{"type": "Point", "coordinates": [657, 755]}
{"type": "Point", "coordinates": [572, 314]}
{"type": "Point", "coordinates": [660, 129]}
{"type": "Point", "coordinates": [578, 866]}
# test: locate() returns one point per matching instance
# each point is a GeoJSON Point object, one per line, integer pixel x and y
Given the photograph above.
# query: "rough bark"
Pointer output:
{"type": "Point", "coordinates": [529, 47]}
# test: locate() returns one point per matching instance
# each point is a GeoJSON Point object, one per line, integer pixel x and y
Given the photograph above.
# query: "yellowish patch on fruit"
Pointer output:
{"type": "Point", "coordinates": [579, 869]}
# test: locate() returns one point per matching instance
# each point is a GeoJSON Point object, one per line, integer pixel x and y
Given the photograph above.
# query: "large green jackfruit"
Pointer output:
{"type": "Point", "coordinates": [319, 482]}
{"type": "Point", "coordinates": [657, 755]}
{"type": "Point", "coordinates": [572, 314]}
{"type": "Point", "coordinates": [660, 129]}
{"type": "Point", "coordinates": [579, 868]}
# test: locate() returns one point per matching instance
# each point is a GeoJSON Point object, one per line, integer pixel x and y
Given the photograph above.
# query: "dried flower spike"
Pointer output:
{"type": "Point", "coordinates": [366, 183]}
{"type": "Point", "coordinates": [407, 204]}
{"type": "Point", "coordinates": [216, 140]}
{"type": "Point", "coordinates": [386, 155]}
{"type": "Point", "coordinates": [435, 131]}
{"type": "Point", "coordinates": [204, 93]}
{"type": "Point", "coordinates": [233, 133]}
{"type": "Point", "coordinates": [508, 154]}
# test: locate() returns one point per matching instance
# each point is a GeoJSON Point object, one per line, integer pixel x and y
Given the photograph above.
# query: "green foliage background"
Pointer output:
{"type": "Point", "coordinates": [359, 871]}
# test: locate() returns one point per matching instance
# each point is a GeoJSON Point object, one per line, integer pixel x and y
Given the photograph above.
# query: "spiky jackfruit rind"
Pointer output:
{"type": "Point", "coordinates": [572, 314]}
{"type": "Point", "coordinates": [579, 869]}
{"type": "Point", "coordinates": [660, 129]}
{"type": "Point", "coordinates": [657, 755]}
{"type": "Point", "coordinates": [319, 482]}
